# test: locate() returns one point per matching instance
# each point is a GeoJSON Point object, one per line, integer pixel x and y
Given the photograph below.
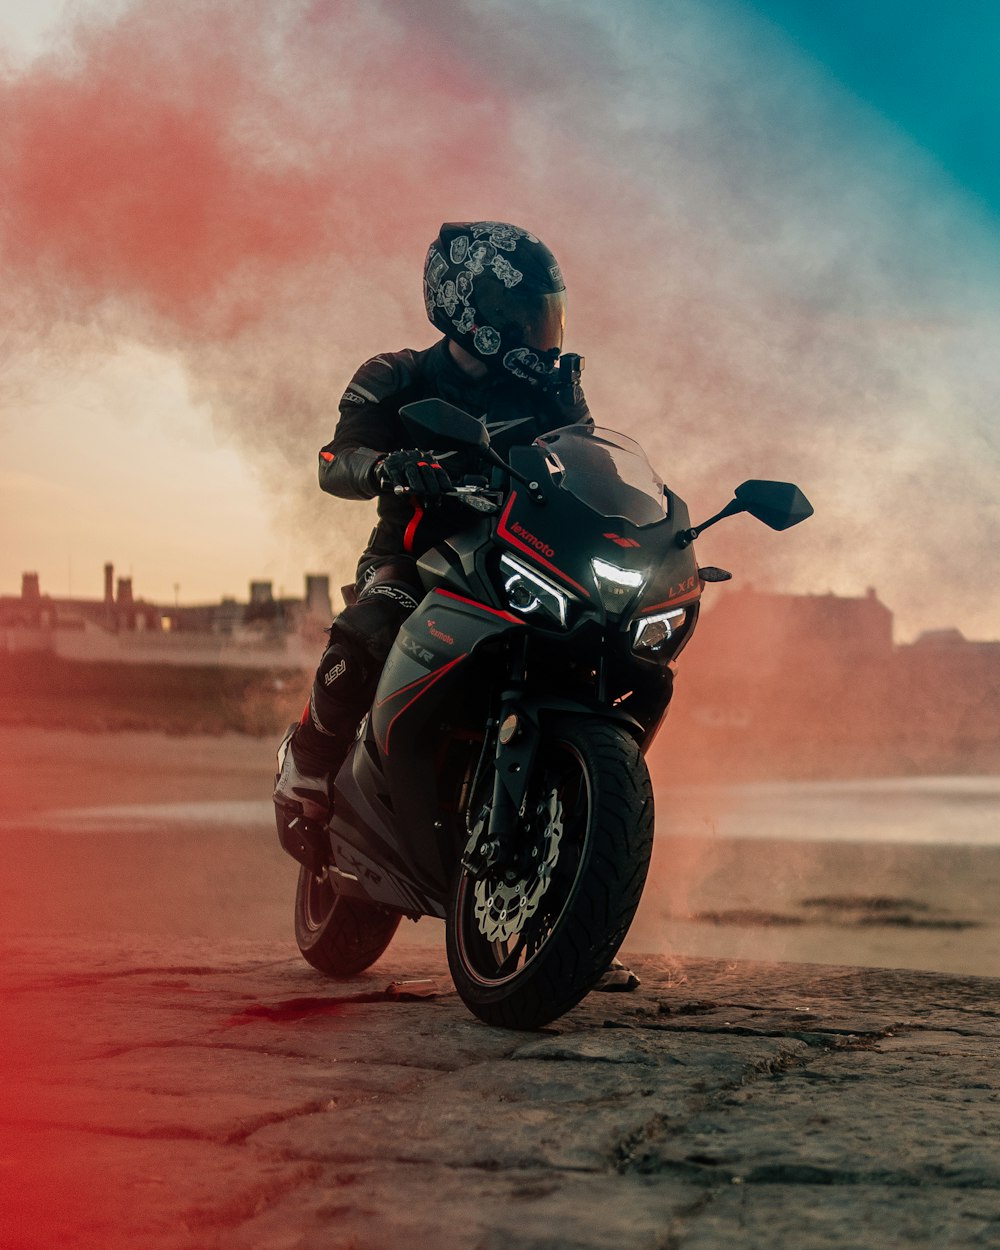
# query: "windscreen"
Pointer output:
{"type": "Point", "coordinates": [607, 471]}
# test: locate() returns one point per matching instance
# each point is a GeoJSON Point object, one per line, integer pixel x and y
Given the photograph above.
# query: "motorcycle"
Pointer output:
{"type": "Point", "coordinates": [498, 780]}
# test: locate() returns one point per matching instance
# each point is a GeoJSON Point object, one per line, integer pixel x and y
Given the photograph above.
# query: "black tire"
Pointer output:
{"type": "Point", "coordinates": [339, 936]}
{"type": "Point", "coordinates": [604, 804]}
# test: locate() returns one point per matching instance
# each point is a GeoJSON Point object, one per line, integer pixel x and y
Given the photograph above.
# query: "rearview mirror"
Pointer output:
{"type": "Point", "coordinates": [780, 505]}
{"type": "Point", "coordinates": [444, 426]}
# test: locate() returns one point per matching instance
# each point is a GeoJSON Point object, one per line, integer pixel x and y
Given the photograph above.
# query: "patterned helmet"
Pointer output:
{"type": "Point", "coordinates": [498, 292]}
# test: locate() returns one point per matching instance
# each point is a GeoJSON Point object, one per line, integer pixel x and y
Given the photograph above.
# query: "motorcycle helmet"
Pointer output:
{"type": "Point", "coordinates": [498, 292]}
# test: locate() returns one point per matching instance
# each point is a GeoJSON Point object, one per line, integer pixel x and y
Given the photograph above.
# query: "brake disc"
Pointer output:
{"type": "Point", "coordinates": [502, 907]}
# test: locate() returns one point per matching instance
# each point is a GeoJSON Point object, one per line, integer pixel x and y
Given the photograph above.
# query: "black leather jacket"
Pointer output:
{"type": "Point", "coordinates": [369, 427]}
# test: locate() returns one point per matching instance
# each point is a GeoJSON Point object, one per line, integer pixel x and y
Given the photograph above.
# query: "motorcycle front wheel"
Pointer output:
{"type": "Point", "coordinates": [526, 945]}
{"type": "Point", "coordinates": [339, 936]}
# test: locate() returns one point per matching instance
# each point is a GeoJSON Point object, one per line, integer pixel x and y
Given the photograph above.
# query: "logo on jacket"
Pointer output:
{"type": "Point", "coordinates": [338, 670]}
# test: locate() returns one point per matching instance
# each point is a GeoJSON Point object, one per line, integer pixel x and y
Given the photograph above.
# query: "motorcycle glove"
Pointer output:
{"type": "Point", "coordinates": [412, 472]}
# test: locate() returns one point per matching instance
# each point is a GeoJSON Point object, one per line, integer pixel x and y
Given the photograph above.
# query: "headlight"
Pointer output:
{"type": "Point", "coordinates": [618, 587]}
{"type": "Point", "coordinates": [527, 591]}
{"type": "Point", "coordinates": [651, 632]}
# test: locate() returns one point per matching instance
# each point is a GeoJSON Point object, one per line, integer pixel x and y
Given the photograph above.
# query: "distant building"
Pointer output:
{"type": "Point", "coordinates": [118, 625]}
{"type": "Point", "coordinates": [37, 611]}
{"type": "Point", "coordinates": [814, 685]}
{"type": "Point", "coordinates": [317, 601]}
{"type": "Point", "coordinates": [946, 689]}
{"type": "Point", "coordinates": [754, 632]}
{"type": "Point", "coordinates": [771, 684]}
{"type": "Point", "coordinates": [262, 616]}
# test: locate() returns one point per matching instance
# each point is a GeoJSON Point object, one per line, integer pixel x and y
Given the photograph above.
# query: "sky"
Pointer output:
{"type": "Point", "coordinates": [777, 220]}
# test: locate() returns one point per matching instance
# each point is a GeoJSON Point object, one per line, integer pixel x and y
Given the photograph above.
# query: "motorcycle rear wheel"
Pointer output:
{"type": "Point", "coordinates": [339, 936]}
{"type": "Point", "coordinates": [592, 806]}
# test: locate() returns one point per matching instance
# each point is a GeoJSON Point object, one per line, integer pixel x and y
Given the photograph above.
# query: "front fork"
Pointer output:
{"type": "Point", "coordinates": [492, 843]}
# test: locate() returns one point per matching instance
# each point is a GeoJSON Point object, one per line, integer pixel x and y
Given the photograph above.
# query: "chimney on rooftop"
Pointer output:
{"type": "Point", "coordinates": [125, 604]}
{"type": "Point", "coordinates": [318, 596]}
{"type": "Point", "coordinates": [30, 589]}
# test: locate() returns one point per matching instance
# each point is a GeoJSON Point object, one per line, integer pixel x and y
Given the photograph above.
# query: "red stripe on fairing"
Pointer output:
{"type": "Point", "coordinates": [411, 529]}
{"type": "Point", "coordinates": [328, 456]}
{"type": "Point", "coordinates": [425, 684]}
{"type": "Point", "coordinates": [409, 686]}
{"type": "Point", "coordinates": [474, 603]}
{"type": "Point", "coordinates": [505, 533]}
{"type": "Point", "coordinates": [672, 603]}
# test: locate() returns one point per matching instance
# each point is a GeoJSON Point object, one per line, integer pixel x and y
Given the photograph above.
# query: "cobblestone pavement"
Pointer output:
{"type": "Point", "coordinates": [156, 1097]}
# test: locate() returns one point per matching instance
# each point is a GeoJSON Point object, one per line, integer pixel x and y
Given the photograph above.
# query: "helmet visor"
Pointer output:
{"type": "Point", "coordinates": [544, 327]}
{"type": "Point", "coordinates": [529, 318]}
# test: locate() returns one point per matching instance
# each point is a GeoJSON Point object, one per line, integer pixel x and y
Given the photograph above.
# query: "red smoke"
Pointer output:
{"type": "Point", "coordinates": [256, 185]}
{"type": "Point", "coordinates": [227, 158]}
{"type": "Point", "coordinates": [257, 189]}
{"type": "Point", "coordinates": [134, 171]}
{"type": "Point", "coordinates": [191, 160]}
{"type": "Point", "coordinates": [125, 178]}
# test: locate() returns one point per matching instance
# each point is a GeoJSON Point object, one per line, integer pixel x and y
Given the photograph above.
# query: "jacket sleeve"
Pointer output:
{"type": "Point", "coordinates": [367, 429]}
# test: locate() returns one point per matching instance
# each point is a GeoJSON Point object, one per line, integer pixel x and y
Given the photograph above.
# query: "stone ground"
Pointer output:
{"type": "Point", "coordinates": [175, 1077]}
{"type": "Point", "coordinates": [169, 1099]}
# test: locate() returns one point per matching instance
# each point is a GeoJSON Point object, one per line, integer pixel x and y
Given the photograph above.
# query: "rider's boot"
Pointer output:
{"type": "Point", "coordinates": [312, 752]}
{"type": "Point", "coordinates": [307, 758]}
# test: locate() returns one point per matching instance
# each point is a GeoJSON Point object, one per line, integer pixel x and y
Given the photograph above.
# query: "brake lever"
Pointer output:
{"type": "Point", "coordinates": [472, 496]}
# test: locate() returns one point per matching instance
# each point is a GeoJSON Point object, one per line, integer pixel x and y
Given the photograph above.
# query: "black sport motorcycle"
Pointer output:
{"type": "Point", "coordinates": [498, 780]}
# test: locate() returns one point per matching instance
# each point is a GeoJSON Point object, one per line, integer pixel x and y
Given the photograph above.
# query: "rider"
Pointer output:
{"type": "Point", "coordinates": [496, 293]}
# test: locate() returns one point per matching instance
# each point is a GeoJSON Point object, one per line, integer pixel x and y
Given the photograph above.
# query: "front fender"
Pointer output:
{"type": "Point", "coordinates": [541, 707]}
{"type": "Point", "coordinates": [515, 761]}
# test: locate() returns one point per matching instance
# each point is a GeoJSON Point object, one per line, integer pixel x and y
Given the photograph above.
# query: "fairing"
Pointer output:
{"type": "Point", "coordinates": [601, 499]}
{"type": "Point", "coordinates": [582, 516]}
{"type": "Point", "coordinates": [387, 779]}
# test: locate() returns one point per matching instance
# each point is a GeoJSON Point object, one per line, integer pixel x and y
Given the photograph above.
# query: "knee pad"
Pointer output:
{"type": "Point", "coordinates": [373, 622]}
